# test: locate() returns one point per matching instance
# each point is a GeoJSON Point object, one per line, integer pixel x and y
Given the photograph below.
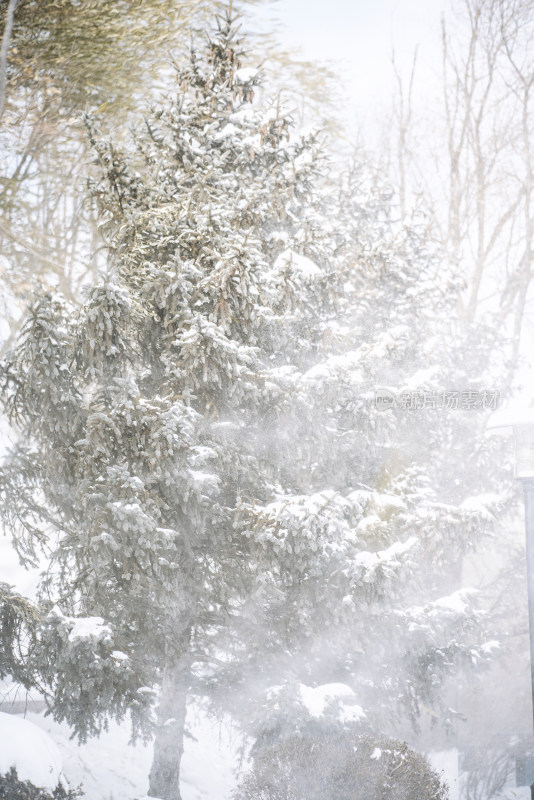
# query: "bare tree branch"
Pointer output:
{"type": "Point", "coordinates": [6, 38]}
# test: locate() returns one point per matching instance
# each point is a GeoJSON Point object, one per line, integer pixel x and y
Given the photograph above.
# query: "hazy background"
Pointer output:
{"type": "Point", "coordinates": [359, 39]}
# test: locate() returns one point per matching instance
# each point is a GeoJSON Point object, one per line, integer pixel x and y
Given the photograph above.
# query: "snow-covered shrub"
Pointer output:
{"type": "Point", "coordinates": [11, 788]}
{"type": "Point", "coordinates": [339, 764]}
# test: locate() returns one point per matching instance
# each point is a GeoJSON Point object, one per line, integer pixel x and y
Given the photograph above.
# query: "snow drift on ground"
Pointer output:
{"type": "Point", "coordinates": [30, 750]}
{"type": "Point", "coordinates": [109, 768]}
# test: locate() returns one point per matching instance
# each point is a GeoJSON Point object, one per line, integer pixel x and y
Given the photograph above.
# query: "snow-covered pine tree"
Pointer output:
{"type": "Point", "coordinates": [144, 417]}
{"type": "Point", "coordinates": [367, 536]}
{"type": "Point", "coordinates": [199, 457]}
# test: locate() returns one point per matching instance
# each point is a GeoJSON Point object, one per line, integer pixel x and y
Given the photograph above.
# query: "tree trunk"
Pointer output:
{"type": "Point", "coordinates": [164, 780]}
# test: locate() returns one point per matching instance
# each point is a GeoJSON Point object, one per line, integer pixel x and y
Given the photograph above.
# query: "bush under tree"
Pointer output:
{"type": "Point", "coordinates": [13, 788]}
{"type": "Point", "coordinates": [341, 764]}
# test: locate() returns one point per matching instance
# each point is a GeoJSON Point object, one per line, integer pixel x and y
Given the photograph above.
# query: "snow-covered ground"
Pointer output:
{"type": "Point", "coordinates": [109, 769]}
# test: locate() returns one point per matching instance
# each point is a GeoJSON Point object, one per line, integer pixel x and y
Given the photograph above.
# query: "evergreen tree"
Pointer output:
{"type": "Point", "coordinates": [199, 455]}
{"type": "Point", "coordinates": [387, 502]}
{"type": "Point", "coordinates": [143, 417]}
{"type": "Point", "coordinates": [59, 58]}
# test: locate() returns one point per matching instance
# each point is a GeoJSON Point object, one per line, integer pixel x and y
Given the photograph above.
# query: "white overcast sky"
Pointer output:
{"type": "Point", "coordinates": [359, 36]}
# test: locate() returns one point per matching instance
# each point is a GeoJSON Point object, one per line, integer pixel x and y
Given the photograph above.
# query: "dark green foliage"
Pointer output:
{"type": "Point", "coordinates": [18, 621]}
{"type": "Point", "coordinates": [11, 788]}
{"type": "Point", "coordinates": [340, 764]}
